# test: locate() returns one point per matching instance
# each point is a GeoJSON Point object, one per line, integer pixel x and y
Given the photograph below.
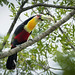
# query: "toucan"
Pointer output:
{"type": "Point", "coordinates": [21, 34]}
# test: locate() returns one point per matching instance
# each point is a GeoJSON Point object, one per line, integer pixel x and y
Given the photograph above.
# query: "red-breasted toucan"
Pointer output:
{"type": "Point", "coordinates": [21, 35]}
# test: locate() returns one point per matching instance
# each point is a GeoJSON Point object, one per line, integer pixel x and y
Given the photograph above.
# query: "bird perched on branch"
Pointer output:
{"type": "Point", "coordinates": [21, 35]}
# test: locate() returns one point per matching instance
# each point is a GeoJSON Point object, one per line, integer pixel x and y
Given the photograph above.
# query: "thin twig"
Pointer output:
{"type": "Point", "coordinates": [72, 46]}
{"type": "Point", "coordinates": [56, 68]}
{"type": "Point", "coordinates": [23, 3]}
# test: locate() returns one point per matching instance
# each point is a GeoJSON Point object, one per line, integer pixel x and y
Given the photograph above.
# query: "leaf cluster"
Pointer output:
{"type": "Point", "coordinates": [54, 46]}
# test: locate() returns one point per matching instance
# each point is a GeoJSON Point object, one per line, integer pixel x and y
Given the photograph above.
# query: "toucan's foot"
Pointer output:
{"type": "Point", "coordinates": [30, 40]}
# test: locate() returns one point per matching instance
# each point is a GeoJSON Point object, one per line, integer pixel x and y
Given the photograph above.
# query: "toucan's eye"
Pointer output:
{"type": "Point", "coordinates": [39, 17]}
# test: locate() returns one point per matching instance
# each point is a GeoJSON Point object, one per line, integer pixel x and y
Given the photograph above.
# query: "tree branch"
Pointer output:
{"type": "Point", "coordinates": [13, 24]}
{"type": "Point", "coordinates": [47, 5]}
{"type": "Point", "coordinates": [38, 38]}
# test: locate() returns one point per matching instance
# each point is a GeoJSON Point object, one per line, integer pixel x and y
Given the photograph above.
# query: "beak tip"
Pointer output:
{"type": "Point", "coordinates": [47, 17]}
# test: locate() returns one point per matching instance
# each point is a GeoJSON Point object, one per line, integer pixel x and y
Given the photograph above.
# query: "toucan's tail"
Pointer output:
{"type": "Point", "coordinates": [11, 62]}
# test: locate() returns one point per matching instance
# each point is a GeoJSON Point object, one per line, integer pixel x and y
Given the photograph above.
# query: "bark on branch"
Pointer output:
{"type": "Point", "coordinates": [47, 5]}
{"type": "Point", "coordinates": [36, 39]}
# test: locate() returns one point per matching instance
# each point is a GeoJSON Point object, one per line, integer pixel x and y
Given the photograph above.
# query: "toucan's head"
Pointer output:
{"type": "Point", "coordinates": [44, 17]}
{"type": "Point", "coordinates": [34, 20]}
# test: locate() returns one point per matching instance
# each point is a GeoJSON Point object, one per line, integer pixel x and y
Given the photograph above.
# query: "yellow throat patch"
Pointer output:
{"type": "Point", "coordinates": [30, 25]}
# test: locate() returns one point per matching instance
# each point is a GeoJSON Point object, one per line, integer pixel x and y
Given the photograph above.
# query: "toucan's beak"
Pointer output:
{"type": "Point", "coordinates": [47, 17]}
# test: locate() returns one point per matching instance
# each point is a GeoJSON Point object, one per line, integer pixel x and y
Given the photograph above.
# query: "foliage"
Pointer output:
{"type": "Point", "coordinates": [35, 59]}
{"type": "Point", "coordinates": [4, 2]}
